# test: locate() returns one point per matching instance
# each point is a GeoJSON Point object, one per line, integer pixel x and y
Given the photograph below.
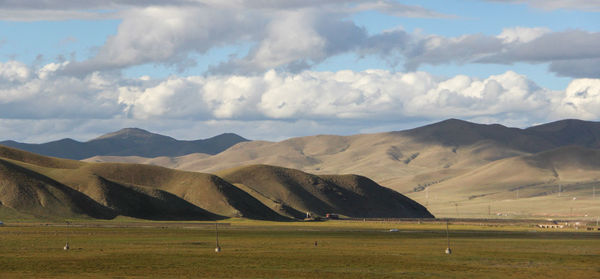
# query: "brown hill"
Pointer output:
{"type": "Point", "coordinates": [43, 186]}
{"type": "Point", "coordinates": [34, 194]}
{"type": "Point", "coordinates": [349, 195]}
{"type": "Point", "coordinates": [523, 185]}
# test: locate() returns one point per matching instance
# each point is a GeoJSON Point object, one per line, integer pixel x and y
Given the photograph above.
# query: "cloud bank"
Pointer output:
{"type": "Point", "coordinates": [350, 99]}
{"type": "Point", "coordinates": [297, 40]}
{"type": "Point", "coordinates": [297, 35]}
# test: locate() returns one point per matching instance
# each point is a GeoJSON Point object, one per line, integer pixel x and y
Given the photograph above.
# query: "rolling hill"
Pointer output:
{"type": "Point", "coordinates": [129, 142]}
{"type": "Point", "coordinates": [294, 192]}
{"type": "Point", "coordinates": [442, 158]}
{"type": "Point", "coordinates": [35, 185]}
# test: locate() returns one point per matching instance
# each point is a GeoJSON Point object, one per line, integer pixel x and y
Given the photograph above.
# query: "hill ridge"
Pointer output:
{"type": "Point", "coordinates": [51, 187]}
{"type": "Point", "coordinates": [129, 142]}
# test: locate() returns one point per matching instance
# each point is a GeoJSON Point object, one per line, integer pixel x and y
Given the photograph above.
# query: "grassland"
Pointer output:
{"type": "Point", "coordinates": [260, 249]}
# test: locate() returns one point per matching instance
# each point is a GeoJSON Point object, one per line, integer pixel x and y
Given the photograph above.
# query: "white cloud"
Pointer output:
{"type": "Point", "coordinates": [522, 34]}
{"type": "Point", "coordinates": [567, 51]}
{"type": "Point", "coordinates": [46, 95]}
{"type": "Point", "coordinates": [168, 35]}
{"type": "Point", "coordinates": [581, 100]}
{"type": "Point", "coordinates": [297, 35]}
{"type": "Point", "coordinates": [293, 35]}
{"type": "Point", "coordinates": [13, 71]}
{"type": "Point", "coordinates": [374, 95]}
{"type": "Point", "coordinates": [324, 102]}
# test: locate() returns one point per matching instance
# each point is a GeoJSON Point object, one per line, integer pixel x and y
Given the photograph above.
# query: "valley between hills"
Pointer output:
{"type": "Point", "coordinates": [454, 168]}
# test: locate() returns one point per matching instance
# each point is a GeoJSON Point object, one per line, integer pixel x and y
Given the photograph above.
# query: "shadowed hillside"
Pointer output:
{"type": "Point", "coordinates": [35, 194]}
{"type": "Point", "coordinates": [129, 142]}
{"type": "Point", "coordinates": [47, 187]}
{"type": "Point", "coordinates": [348, 195]}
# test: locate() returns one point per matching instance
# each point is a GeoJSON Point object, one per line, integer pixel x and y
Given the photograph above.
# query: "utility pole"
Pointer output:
{"type": "Point", "coordinates": [448, 250]}
{"type": "Point", "coordinates": [559, 189]}
{"type": "Point", "coordinates": [218, 248]}
{"type": "Point", "coordinates": [67, 247]}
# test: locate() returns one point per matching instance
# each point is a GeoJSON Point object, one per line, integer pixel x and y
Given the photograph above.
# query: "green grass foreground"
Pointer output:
{"type": "Point", "coordinates": [254, 249]}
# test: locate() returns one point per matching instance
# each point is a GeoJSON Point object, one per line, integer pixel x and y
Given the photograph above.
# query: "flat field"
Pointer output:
{"type": "Point", "coordinates": [253, 249]}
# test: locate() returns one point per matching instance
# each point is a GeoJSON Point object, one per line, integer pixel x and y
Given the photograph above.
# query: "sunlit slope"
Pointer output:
{"type": "Point", "coordinates": [523, 185]}
{"type": "Point", "coordinates": [349, 195]}
{"type": "Point", "coordinates": [171, 162]}
{"type": "Point", "coordinates": [381, 157]}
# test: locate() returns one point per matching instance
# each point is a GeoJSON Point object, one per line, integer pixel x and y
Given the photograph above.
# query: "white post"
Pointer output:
{"type": "Point", "coordinates": [218, 248]}
{"type": "Point", "coordinates": [559, 189]}
{"type": "Point", "coordinates": [448, 250]}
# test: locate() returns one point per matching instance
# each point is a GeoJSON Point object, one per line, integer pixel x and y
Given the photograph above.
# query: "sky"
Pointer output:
{"type": "Point", "coordinates": [272, 70]}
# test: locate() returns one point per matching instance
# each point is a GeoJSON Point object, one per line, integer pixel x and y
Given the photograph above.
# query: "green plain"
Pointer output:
{"type": "Point", "coordinates": [254, 249]}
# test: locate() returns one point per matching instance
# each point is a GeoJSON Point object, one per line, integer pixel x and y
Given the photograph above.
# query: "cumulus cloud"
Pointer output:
{"type": "Point", "coordinates": [297, 35]}
{"type": "Point", "coordinates": [522, 34]}
{"type": "Point", "coordinates": [371, 100]}
{"type": "Point", "coordinates": [581, 99]}
{"type": "Point", "coordinates": [168, 35]}
{"type": "Point", "coordinates": [290, 35]}
{"type": "Point", "coordinates": [296, 40]}
{"type": "Point", "coordinates": [39, 93]}
{"type": "Point", "coordinates": [570, 48]}
{"type": "Point", "coordinates": [13, 71]}
{"type": "Point", "coordinates": [276, 95]}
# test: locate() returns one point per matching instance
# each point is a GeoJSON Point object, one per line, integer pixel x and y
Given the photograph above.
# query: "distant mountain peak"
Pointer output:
{"type": "Point", "coordinates": [129, 133]}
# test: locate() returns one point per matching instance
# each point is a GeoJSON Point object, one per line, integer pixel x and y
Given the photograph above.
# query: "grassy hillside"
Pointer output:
{"type": "Point", "coordinates": [40, 186]}
{"type": "Point", "coordinates": [348, 195]}
{"type": "Point", "coordinates": [526, 185]}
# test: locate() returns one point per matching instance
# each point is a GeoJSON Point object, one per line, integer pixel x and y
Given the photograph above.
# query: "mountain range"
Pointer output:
{"type": "Point", "coordinates": [454, 167]}
{"type": "Point", "coordinates": [129, 142]}
{"type": "Point", "coordinates": [37, 186]}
